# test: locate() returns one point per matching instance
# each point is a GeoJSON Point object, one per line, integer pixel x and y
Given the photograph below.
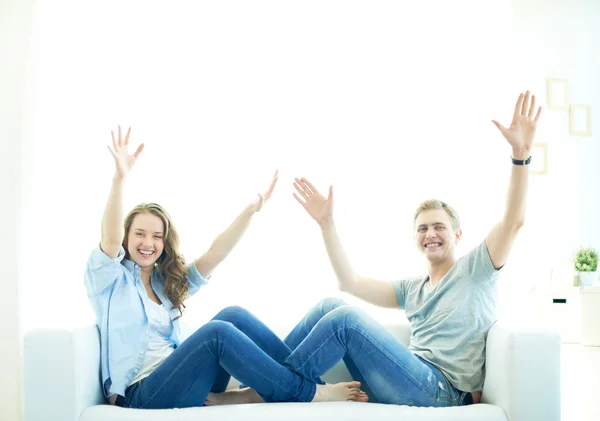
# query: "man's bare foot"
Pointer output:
{"type": "Point", "coordinates": [344, 391]}
{"type": "Point", "coordinates": [233, 397]}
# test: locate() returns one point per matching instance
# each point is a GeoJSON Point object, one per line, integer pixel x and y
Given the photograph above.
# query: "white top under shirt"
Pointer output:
{"type": "Point", "coordinates": [159, 346]}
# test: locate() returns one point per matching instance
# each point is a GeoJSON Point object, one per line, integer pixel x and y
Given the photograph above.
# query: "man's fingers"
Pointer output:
{"type": "Point", "coordinates": [126, 142]}
{"type": "Point", "coordinates": [138, 151]}
{"type": "Point", "coordinates": [300, 190]}
{"type": "Point", "coordinates": [310, 186]}
{"type": "Point", "coordinates": [299, 200]}
{"type": "Point", "coordinates": [519, 105]}
{"type": "Point", "coordinates": [112, 134]}
{"type": "Point", "coordinates": [532, 107]}
{"type": "Point", "coordinates": [537, 115]}
{"type": "Point", "coordinates": [500, 126]}
{"type": "Point", "coordinates": [525, 107]}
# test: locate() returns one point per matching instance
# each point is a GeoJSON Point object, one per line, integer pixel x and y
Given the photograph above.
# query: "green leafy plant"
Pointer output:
{"type": "Point", "coordinates": [586, 260]}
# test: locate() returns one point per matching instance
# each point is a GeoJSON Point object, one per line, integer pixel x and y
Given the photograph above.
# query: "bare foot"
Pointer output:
{"type": "Point", "coordinates": [344, 391]}
{"type": "Point", "coordinates": [233, 397]}
{"type": "Point", "coordinates": [362, 397]}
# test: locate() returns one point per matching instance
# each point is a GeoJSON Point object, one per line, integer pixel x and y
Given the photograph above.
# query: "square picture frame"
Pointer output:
{"type": "Point", "coordinates": [539, 159]}
{"type": "Point", "coordinates": [580, 120]}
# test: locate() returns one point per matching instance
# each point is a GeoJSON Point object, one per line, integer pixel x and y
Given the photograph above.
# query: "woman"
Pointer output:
{"type": "Point", "coordinates": [137, 283]}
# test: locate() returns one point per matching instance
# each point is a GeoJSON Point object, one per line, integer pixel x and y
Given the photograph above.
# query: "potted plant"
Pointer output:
{"type": "Point", "coordinates": [586, 263]}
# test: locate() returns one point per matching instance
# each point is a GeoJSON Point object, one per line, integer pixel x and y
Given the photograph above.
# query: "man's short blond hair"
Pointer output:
{"type": "Point", "coordinates": [438, 204]}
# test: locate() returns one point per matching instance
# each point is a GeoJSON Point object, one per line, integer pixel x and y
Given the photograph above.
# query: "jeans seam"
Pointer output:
{"type": "Point", "coordinates": [185, 361]}
{"type": "Point", "coordinates": [409, 375]}
{"type": "Point", "coordinates": [269, 379]}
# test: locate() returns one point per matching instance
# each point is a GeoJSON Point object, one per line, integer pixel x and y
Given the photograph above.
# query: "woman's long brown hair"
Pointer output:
{"type": "Point", "coordinates": [171, 264]}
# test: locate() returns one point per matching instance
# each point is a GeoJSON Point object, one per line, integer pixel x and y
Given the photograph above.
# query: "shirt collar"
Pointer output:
{"type": "Point", "coordinates": [154, 279]}
{"type": "Point", "coordinates": [129, 265]}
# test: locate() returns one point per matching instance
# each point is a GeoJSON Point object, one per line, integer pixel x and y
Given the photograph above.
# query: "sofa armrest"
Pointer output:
{"type": "Point", "coordinates": [523, 373]}
{"type": "Point", "coordinates": [61, 373]}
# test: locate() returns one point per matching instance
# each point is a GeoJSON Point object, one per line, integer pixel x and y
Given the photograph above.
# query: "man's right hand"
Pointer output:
{"type": "Point", "coordinates": [317, 206]}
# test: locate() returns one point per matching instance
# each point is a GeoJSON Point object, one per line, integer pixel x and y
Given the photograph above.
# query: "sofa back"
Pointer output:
{"type": "Point", "coordinates": [62, 372]}
{"type": "Point", "coordinates": [64, 364]}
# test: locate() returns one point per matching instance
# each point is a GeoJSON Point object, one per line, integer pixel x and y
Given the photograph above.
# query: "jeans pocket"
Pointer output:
{"type": "Point", "coordinates": [132, 396]}
{"type": "Point", "coordinates": [448, 395]}
{"type": "Point", "coordinates": [465, 398]}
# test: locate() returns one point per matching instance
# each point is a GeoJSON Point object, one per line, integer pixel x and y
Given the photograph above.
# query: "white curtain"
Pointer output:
{"type": "Point", "coordinates": [390, 102]}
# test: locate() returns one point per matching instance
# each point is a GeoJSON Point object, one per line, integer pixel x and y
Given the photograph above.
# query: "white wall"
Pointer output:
{"type": "Point", "coordinates": [393, 109]}
{"type": "Point", "coordinates": [558, 39]}
{"type": "Point", "coordinates": [389, 108]}
{"type": "Point", "coordinates": [59, 220]}
{"type": "Point", "coordinates": [15, 50]}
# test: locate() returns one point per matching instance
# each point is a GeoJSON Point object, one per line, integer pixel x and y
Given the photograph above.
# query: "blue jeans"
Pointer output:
{"type": "Point", "coordinates": [205, 361]}
{"type": "Point", "coordinates": [388, 371]}
{"type": "Point", "coordinates": [331, 331]}
{"type": "Point", "coordinates": [237, 343]}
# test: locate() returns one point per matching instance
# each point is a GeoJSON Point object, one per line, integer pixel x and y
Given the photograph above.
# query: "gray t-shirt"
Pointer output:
{"type": "Point", "coordinates": [450, 322]}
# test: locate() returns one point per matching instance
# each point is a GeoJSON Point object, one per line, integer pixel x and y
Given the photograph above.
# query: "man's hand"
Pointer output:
{"type": "Point", "coordinates": [520, 135]}
{"type": "Point", "coordinates": [317, 206]}
{"type": "Point", "coordinates": [521, 132]}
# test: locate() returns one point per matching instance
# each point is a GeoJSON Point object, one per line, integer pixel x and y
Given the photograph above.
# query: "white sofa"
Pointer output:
{"type": "Point", "coordinates": [62, 383]}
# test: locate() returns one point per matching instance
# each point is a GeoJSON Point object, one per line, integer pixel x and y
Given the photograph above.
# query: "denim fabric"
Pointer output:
{"type": "Point", "coordinates": [237, 343]}
{"type": "Point", "coordinates": [388, 371]}
{"type": "Point", "coordinates": [203, 363]}
{"type": "Point", "coordinates": [119, 299]}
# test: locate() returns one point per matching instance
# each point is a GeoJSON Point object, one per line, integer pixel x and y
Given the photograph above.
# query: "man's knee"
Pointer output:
{"type": "Point", "coordinates": [347, 315]}
{"type": "Point", "coordinates": [330, 303]}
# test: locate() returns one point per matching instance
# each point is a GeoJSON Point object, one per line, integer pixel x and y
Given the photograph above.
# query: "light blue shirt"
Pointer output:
{"type": "Point", "coordinates": [119, 299]}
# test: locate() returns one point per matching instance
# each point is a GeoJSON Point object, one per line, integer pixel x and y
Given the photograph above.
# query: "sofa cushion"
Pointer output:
{"type": "Point", "coordinates": [322, 411]}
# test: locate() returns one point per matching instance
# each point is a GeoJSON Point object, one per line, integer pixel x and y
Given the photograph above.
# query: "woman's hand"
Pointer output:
{"type": "Point", "coordinates": [124, 162]}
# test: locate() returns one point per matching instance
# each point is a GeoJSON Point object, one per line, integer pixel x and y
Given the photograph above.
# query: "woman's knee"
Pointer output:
{"type": "Point", "coordinates": [232, 314]}
{"type": "Point", "coordinates": [216, 329]}
{"type": "Point", "coordinates": [215, 335]}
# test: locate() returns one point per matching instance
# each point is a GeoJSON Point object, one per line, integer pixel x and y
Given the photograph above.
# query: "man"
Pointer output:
{"type": "Point", "coordinates": [451, 309]}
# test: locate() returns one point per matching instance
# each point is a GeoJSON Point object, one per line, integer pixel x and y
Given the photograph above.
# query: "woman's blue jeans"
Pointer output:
{"type": "Point", "coordinates": [235, 343]}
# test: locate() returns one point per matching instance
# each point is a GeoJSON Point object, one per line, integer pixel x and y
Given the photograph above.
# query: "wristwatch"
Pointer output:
{"type": "Point", "coordinates": [521, 161]}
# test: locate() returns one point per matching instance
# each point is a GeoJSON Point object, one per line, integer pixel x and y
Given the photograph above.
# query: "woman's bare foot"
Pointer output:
{"type": "Point", "coordinates": [344, 391]}
{"type": "Point", "coordinates": [362, 397]}
{"type": "Point", "coordinates": [233, 397]}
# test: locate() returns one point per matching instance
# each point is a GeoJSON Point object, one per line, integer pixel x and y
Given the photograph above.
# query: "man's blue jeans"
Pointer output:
{"type": "Point", "coordinates": [388, 371]}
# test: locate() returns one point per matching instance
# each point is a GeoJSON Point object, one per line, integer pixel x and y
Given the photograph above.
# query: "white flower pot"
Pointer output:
{"type": "Point", "coordinates": [586, 279]}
